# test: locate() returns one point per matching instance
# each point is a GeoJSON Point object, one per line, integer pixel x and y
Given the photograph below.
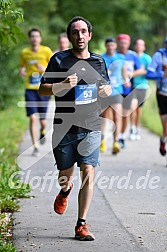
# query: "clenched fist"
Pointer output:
{"type": "Point", "coordinates": [105, 91]}
{"type": "Point", "coordinates": [70, 82]}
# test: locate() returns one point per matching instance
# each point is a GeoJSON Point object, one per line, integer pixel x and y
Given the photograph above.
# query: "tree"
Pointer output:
{"type": "Point", "coordinates": [10, 17]}
{"type": "Point", "coordinates": [10, 34]}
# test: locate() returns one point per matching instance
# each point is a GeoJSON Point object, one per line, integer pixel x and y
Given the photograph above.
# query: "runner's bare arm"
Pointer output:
{"type": "Point", "coordinates": [41, 68]}
{"type": "Point", "coordinates": [105, 91]}
{"type": "Point", "coordinates": [138, 72]}
{"type": "Point", "coordinates": [22, 71]}
{"type": "Point", "coordinates": [55, 88]}
{"type": "Point", "coordinates": [126, 76]}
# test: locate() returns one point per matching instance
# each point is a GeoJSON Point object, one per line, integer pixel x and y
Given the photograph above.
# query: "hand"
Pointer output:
{"type": "Point", "coordinates": [70, 82]}
{"type": "Point", "coordinates": [41, 68]}
{"type": "Point", "coordinates": [165, 74]}
{"type": "Point", "coordinates": [23, 72]}
{"type": "Point", "coordinates": [127, 84]}
{"type": "Point", "coordinates": [105, 91]}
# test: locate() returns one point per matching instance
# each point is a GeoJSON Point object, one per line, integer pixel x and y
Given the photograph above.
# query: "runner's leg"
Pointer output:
{"type": "Point", "coordinates": [86, 191]}
{"type": "Point", "coordinates": [133, 119]}
{"type": "Point", "coordinates": [105, 114]}
{"type": "Point", "coordinates": [133, 116]}
{"type": "Point", "coordinates": [138, 117]}
{"type": "Point", "coordinates": [117, 111]}
{"type": "Point", "coordinates": [125, 120]}
{"type": "Point", "coordinates": [164, 135]}
{"type": "Point", "coordinates": [84, 200]}
{"type": "Point", "coordinates": [43, 124]}
{"type": "Point", "coordinates": [33, 130]}
{"type": "Point", "coordinates": [117, 118]}
{"type": "Point", "coordinates": [65, 177]}
{"type": "Point", "coordinates": [164, 124]}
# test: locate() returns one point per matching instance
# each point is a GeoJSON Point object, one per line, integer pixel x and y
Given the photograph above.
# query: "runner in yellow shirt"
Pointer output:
{"type": "Point", "coordinates": [33, 63]}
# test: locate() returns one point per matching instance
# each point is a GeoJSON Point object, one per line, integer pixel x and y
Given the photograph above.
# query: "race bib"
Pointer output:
{"type": "Point", "coordinates": [35, 79]}
{"type": "Point", "coordinates": [85, 94]}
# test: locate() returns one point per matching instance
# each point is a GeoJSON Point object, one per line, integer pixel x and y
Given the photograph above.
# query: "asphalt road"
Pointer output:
{"type": "Point", "coordinates": [128, 212]}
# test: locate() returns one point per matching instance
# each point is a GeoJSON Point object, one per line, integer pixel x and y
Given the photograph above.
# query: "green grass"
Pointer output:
{"type": "Point", "coordinates": [6, 247]}
{"type": "Point", "coordinates": [150, 116]}
{"type": "Point", "coordinates": [13, 124]}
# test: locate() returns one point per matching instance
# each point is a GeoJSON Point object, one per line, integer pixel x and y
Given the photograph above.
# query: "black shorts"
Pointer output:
{"type": "Point", "coordinates": [162, 104]}
{"type": "Point", "coordinates": [111, 100]}
{"type": "Point", "coordinates": [140, 95]}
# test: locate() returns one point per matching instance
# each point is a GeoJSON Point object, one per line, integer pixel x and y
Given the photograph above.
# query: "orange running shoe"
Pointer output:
{"type": "Point", "coordinates": [83, 234]}
{"type": "Point", "coordinates": [61, 202]}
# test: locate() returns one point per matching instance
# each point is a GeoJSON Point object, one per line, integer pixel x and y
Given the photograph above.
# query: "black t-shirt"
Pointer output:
{"type": "Point", "coordinates": [84, 106]}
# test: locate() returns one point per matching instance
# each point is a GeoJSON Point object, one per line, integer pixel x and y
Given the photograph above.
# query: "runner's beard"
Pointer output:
{"type": "Point", "coordinates": [79, 49]}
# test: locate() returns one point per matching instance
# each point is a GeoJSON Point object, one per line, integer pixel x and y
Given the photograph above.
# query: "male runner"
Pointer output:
{"type": "Point", "coordinates": [114, 63]}
{"type": "Point", "coordinates": [134, 69]}
{"type": "Point", "coordinates": [63, 42]}
{"type": "Point", "coordinates": [80, 143]}
{"type": "Point", "coordinates": [140, 83]}
{"type": "Point", "coordinates": [157, 70]}
{"type": "Point", "coordinates": [33, 63]}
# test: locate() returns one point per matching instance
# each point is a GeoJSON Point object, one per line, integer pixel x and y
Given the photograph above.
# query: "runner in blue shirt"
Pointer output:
{"type": "Point", "coordinates": [114, 62]}
{"type": "Point", "coordinates": [157, 70]}
{"type": "Point", "coordinates": [133, 69]}
{"type": "Point", "coordinates": [140, 84]}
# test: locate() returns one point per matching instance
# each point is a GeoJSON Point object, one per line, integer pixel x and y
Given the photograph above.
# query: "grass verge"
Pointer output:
{"type": "Point", "coordinates": [13, 124]}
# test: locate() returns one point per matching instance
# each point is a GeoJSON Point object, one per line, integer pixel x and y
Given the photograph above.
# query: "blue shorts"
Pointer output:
{"type": "Point", "coordinates": [36, 106]}
{"type": "Point", "coordinates": [82, 148]}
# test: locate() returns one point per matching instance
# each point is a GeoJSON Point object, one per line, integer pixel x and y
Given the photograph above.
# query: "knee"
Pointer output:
{"type": "Point", "coordinates": [125, 115]}
{"type": "Point", "coordinates": [87, 173]}
{"type": "Point", "coordinates": [32, 118]}
{"type": "Point", "coordinates": [117, 117]}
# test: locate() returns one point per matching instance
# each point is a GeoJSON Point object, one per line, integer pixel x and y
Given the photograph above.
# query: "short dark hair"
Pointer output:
{"type": "Point", "coordinates": [75, 19]}
{"type": "Point", "coordinates": [62, 35]}
{"type": "Point", "coordinates": [34, 30]}
{"type": "Point", "coordinates": [109, 40]}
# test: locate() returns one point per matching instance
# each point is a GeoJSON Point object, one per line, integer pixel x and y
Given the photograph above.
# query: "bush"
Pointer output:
{"type": "Point", "coordinates": [11, 87]}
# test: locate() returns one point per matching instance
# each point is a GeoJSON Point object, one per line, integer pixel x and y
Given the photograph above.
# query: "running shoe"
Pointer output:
{"type": "Point", "coordinates": [162, 148]}
{"type": "Point", "coordinates": [61, 202]}
{"type": "Point", "coordinates": [116, 148]}
{"type": "Point", "coordinates": [35, 152]}
{"type": "Point", "coordinates": [42, 138]}
{"type": "Point", "coordinates": [83, 234]}
{"type": "Point", "coordinates": [122, 143]}
{"type": "Point", "coordinates": [138, 137]}
{"type": "Point", "coordinates": [133, 134]}
{"type": "Point", "coordinates": [103, 146]}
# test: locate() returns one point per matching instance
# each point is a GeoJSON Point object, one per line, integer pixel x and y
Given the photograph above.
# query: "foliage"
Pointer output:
{"type": "Point", "coordinates": [10, 34]}
{"type": "Point", "coordinates": [6, 247]}
{"type": "Point", "coordinates": [10, 17]}
{"type": "Point", "coordinates": [140, 18]}
{"type": "Point", "coordinates": [13, 124]}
